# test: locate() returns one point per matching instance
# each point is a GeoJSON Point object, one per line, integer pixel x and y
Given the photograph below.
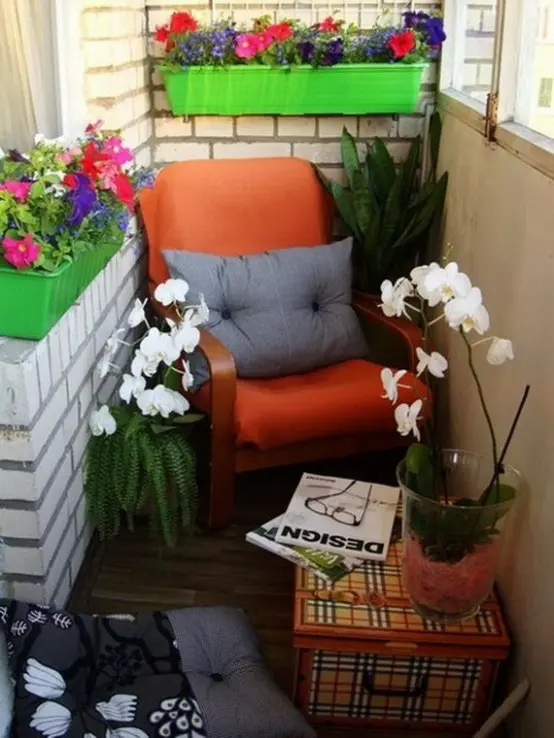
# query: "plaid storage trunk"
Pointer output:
{"type": "Point", "coordinates": [366, 658]}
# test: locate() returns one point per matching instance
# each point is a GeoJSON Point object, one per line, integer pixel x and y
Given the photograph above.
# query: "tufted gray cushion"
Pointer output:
{"type": "Point", "coordinates": [279, 312]}
{"type": "Point", "coordinates": [221, 658]}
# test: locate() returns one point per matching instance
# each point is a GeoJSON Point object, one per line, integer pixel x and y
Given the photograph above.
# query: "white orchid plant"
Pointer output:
{"type": "Point", "coordinates": [438, 293]}
{"type": "Point", "coordinates": [156, 350]}
{"type": "Point", "coordinates": [140, 443]}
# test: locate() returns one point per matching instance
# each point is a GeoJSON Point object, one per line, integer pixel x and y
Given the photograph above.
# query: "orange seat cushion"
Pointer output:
{"type": "Point", "coordinates": [339, 400]}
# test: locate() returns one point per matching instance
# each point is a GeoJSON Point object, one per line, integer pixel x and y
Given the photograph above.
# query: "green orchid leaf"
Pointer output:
{"type": "Point", "coordinates": [188, 418]}
{"type": "Point", "coordinates": [419, 466]}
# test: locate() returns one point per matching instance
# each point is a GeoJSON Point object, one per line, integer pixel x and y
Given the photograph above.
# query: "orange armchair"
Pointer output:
{"type": "Point", "coordinates": [239, 207]}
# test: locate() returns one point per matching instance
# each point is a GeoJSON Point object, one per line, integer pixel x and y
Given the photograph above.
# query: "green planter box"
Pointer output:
{"type": "Point", "coordinates": [32, 302]}
{"type": "Point", "coordinates": [344, 89]}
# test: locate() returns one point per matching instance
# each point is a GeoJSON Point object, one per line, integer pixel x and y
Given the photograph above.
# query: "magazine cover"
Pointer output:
{"type": "Point", "coordinates": [325, 564]}
{"type": "Point", "coordinates": [340, 515]}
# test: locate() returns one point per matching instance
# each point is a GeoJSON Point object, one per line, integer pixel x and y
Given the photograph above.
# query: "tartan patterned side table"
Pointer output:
{"type": "Point", "coordinates": [365, 658]}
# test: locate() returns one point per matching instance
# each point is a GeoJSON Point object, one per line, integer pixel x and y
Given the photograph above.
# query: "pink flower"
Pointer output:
{"type": "Point", "coordinates": [247, 45]}
{"type": "Point", "coordinates": [265, 39]}
{"type": "Point", "coordinates": [93, 128]}
{"type": "Point", "coordinates": [20, 190]}
{"type": "Point", "coordinates": [115, 149]}
{"type": "Point", "coordinates": [67, 156]}
{"type": "Point", "coordinates": [21, 253]}
{"type": "Point", "coordinates": [108, 171]}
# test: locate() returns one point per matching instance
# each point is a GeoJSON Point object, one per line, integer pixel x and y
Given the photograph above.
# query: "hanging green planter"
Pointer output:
{"type": "Point", "coordinates": [31, 302]}
{"type": "Point", "coordinates": [343, 89]}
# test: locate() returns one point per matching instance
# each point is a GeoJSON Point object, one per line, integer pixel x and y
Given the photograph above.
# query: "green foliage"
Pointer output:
{"type": "Point", "coordinates": [139, 465]}
{"type": "Point", "coordinates": [448, 532]}
{"type": "Point", "coordinates": [384, 209]}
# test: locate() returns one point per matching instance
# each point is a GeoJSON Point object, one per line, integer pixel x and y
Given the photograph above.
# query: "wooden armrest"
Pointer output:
{"type": "Point", "coordinates": [409, 333]}
{"type": "Point", "coordinates": [223, 388]}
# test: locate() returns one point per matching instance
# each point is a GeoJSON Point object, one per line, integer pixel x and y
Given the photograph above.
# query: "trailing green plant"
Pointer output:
{"type": "Point", "coordinates": [384, 207]}
{"type": "Point", "coordinates": [145, 462]}
{"type": "Point", "coordinates": [139, 456]}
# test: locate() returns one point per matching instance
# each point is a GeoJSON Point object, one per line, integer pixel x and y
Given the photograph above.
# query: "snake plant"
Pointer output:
{"type": "Point", "coordinates": [385, 208]}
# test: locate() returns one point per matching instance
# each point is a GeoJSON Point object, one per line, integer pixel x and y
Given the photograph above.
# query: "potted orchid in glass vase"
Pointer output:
{"type": "Point", "coordinates": [455, 502]}
{"type": "Point", "coordinates": [139, 455]}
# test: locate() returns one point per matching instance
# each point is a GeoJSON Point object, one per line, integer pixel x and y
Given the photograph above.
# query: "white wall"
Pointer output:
{"type": "Point", "coordinates": [500, 224]}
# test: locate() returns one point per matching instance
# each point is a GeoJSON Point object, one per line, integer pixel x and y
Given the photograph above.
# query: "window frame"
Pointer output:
{"type": "Point", "coordinates": [506, 100]}
{"type": "Point", "coordinates": [70, 68]}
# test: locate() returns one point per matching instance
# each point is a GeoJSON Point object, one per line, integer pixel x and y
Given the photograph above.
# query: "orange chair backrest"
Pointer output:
{"type": "Point", "coordinates": [234, 207]}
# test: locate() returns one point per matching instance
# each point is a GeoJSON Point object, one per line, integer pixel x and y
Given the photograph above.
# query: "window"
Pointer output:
{"type": "Point", "coordinates": [471, 30]}
{"type": "Point", "coordinates": [545, 92]}
{"type": "Point", "coordinates": [497, 73]}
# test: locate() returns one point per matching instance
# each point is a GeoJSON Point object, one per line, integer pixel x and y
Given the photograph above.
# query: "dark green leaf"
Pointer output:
{"type": "Point", "coordinates": [408, 172]}
{"type": "Point", "coordinates": [419, 464]}
{"type": "Point", "coordinates": [435, 133]}
{"type": "Point", "coordinates": [392, 215]}
{"type": "Point", "coordinates": [363, 202]}
{"type": "Point", "coordinates": [345, 205]}
{"type": "Point", "coordinates": [381, 170]}
{"type": "Point", "coordinates": [188, 418]}
{"type": "Point", "coordinates": [423, 218]}
{"type": "Point", "coordinates": [349, 156]}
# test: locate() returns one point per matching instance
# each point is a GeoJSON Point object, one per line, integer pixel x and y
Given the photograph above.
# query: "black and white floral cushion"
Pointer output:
{"type": "Point", "coordinates": [82, 676]}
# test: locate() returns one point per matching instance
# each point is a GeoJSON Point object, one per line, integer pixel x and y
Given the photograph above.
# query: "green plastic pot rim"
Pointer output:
{"type": "Point", "coordinates": [32, 273]}
{"type": "Point", "coordinates": [249, 68]}
{"type": "Point", "coordinates": [441, 505]}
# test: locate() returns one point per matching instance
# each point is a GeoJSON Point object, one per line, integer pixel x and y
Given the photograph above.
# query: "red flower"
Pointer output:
{"type": "Point", "coordinates": [124, 190]}
{"type": "Point", "coordinates": [161, 34]}
{"type": "Point", "coordinates": [70, 180]}
{"type": "Point", "coordinates": [280, 31]}
{"type": "Point", "coordinates": [91, 159]}
{"type": "Point", "coordinates": [93, 128]}
{"type": "Point", "coordinates": [330, 24]}
{"type": "Point", "coordinates": [182, 22]}
{"type": "Point", "coordinates": [402, 43]}
{"type": "Point", "coordinates": [265, 39]}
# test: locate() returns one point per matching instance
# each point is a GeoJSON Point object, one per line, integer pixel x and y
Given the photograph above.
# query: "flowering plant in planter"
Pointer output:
{"type": "Point", "coordinates": [62, 199]}
{"type": "Point", "coordinates": [454, 501]}
{"type": "Point", "coordinates": [291, 42]}
{"type": "Point", "coordinates": [138, 452]}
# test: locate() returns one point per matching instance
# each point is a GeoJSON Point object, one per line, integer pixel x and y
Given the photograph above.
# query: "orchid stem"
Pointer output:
{"type": "Point", "coordinates": [485, 409]}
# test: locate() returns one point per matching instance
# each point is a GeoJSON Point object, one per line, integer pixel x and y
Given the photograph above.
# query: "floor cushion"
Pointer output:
{"type": "Point", "coordinates": [221, 657]}
{"type": "Point", "coordinates": [336, 400]}
{"type": "Point", "coordinates": [193, 673]}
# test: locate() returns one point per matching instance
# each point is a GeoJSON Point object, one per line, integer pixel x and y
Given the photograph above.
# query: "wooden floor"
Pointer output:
{"type": "Point", "coordinates": [133, 573]}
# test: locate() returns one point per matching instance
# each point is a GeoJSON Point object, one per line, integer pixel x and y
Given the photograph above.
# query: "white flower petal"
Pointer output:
{"type": "Point", "coordinates": [137, 316]}
{"type": "Point", "coordinates": [500, 350]}
{"type": "Point", "coordinates": [121, 708]}
{"type": "Point", "coordinates": [43, 681]}
{"type": "Point", "coordinates": [51, 719]}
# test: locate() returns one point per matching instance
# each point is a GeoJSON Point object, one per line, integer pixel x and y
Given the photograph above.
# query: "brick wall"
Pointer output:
{"type": "Point", "coordinates": [48, 389]}
{"type": "Point", "coordinates": [316, 139]}
{"type": "Point", "coordinates": [115, 50]}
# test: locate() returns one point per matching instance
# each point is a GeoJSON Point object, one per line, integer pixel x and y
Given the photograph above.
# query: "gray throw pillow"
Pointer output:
{"type": "Point", "coordinates": [280, 312]}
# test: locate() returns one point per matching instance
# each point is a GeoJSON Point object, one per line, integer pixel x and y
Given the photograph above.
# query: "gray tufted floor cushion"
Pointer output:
{"type": "Point", "coordinates": [221, 658]}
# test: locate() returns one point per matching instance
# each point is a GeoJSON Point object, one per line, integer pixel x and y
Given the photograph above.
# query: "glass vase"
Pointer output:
{"type": "Point", "coordinates": [451, 546]}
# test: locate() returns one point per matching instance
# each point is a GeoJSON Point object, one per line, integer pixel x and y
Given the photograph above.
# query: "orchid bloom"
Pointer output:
{"type": "Point", "coordinates": [394, 296]}
{"type": "Point", "coordinates": [468, 312]}
{"type": "Point", "coordinates": [188, 378]}
{"type": "Point", "coordinates": [418, 276]}
{"type": "Point", "coordinates": [444, 284]}
{"type": "Point", "coordinates": [171, 291]}
{"type": "Point", "coordinates": [142, 364]}
{"type": "Point", "coordinates": [199, 314]}
{"type": "Point", "coordinates": [159, 347]}
{"type": "Point", "coordinates": [137, 316]}
{"type": "Point", "coordinates": [185, 336]}
{"type": "Point", "coordinates": [500, 350]}
{"type": "Point", "coordinates": [406, 417]}
{"type": "Point", "coordinates": [390, 381]}
{"type": "Point", "coordinates": [434, 363]}
{"type": "Point", "coordinates": [161, 401]}
{"type": "Point", "coordinates": [131, 387]}
{"type": "Point", "coordinates": [102, 421]}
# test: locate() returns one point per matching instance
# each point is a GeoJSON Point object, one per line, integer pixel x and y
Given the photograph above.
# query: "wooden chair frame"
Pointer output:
{"type": "Point", "coordinates": [227, 460]}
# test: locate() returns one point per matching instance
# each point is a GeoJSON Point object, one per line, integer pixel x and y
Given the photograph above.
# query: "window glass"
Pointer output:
{"type": "Point", "coordinates": [535, 84]}
{"type": "Point", "coordinates": [480, 28]}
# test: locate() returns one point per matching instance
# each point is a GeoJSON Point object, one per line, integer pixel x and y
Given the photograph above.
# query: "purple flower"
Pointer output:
{"type": "Point", "coordinates": [435, 31]}
{"type": "Point", "coordinates": [306, 49]}
{"type": "Point", "coordinates": [333, 53]}
{"type": "Point", "coordinates": [123, 220]}
{"type": "Point", "coordinates": [413, 19]}
{"type": "Point", "coordinates": [81, 196]}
